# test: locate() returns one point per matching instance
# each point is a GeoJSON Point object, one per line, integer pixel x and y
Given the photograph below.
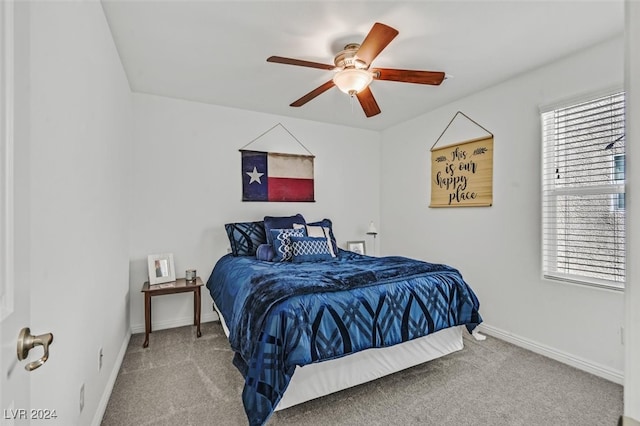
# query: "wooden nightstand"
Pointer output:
{"type": "Point", "coordinates": [178, 286]}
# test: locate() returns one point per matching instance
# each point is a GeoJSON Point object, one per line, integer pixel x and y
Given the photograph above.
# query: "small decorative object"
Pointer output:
{"type": "Point", "coordinates": [356, 247]}
{"type": "Point", "coordinates": [190, 275]}
{"type": "Point", "coordinates": [462, 171]}
{"type": "Point", "coordinates": [161, 268]}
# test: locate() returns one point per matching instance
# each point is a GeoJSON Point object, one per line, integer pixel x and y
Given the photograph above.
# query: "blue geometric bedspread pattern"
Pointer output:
{"type": "Point", "coordinates": [285, 314]}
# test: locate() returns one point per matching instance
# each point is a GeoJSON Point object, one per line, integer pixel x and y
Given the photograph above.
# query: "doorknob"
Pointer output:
{"type": "Point", "coordinates": [27, 341]}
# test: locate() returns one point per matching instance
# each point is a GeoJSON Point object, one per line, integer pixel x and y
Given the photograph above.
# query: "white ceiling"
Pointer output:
{"type": "Point", "coordinates": [215, 51]}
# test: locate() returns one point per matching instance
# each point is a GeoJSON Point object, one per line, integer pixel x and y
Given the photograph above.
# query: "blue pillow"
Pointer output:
{"type": "Point", "coordinates": [326, 223]}
{"type": "Point", "coordinates": [282, 242]}
{"type": "Point", "coordinates": [280, 222]}
{"type": "Point", "coordinates": [245, 237]}
{"type": "Point", "coordinates": [319, 232]}
{"type": "Point", "coordinates": [265, 252]}
{"type": "Point", "coordinates": [309, 249]}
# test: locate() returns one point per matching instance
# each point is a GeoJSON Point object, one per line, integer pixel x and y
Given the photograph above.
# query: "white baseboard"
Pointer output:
{"type": "Point", "coordinates": [174, 322]}
{"type": "Point", "coordinates": [607, 373]}
{"type": "Point", "coordinates": [102, 405]}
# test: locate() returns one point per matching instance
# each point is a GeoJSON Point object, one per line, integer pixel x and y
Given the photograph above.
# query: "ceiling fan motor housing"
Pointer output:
{"type": "Point", "coordinates": [347, 57]}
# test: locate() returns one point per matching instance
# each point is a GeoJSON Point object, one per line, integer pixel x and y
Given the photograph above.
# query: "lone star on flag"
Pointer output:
{"type": "Point", "coordinates": [255, 176]}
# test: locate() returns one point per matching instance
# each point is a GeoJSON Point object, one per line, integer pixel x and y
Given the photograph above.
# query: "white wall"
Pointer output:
{"type": "Point", "coordinates": [497, 248]}
{"type": "Point", "coordinates": [632, 305]}
{"type": "Point", "coordinates": [187, 185]}
{"type": "Point", "coordinates": [80, 170]}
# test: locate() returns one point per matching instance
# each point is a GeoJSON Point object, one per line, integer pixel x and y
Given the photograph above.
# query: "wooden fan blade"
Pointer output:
{"type": "Point", "coordinates": [409, 76]}
{"type": "Point", "coordinates": [368, 102]}
{"type": "Point", "coordinates": [289, 61]}
{"type": "Point", "coordinates": [312, 94]}
{"type": "Point", "coordinates": [375, 42]}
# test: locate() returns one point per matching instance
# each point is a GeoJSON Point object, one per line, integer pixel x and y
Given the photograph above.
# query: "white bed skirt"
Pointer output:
{"type": "Point", "coordinates": [323, 378]}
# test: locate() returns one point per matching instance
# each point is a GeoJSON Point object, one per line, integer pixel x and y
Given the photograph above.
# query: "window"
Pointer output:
{"type": "Point", "coordinates": [583, 188]}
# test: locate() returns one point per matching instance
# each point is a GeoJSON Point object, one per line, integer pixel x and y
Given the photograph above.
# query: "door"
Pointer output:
{"type": "Point", "coordinates": [14, 216]}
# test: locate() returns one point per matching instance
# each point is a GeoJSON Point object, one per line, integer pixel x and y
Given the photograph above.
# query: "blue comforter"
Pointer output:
{"type": "Point", "coordinates": [285, 314]}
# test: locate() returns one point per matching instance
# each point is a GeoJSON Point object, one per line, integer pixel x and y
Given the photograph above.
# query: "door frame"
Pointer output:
{"type": "Point", "coordinates": [15, 303]}
{"type": "Point", "coordinates": [6, 155]}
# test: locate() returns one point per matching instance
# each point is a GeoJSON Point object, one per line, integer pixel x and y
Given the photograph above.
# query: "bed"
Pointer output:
{"type": "Point", "coordinates": [303, 329]}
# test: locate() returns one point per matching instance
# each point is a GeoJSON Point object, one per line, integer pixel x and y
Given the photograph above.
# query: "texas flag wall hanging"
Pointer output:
{"type": "Point", "coordinates": [271, 176]}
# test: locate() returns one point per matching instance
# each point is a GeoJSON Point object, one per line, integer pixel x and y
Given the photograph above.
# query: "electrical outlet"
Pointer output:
{"type": "Point", "coordinates": [100, 360]}
{"type": "Point", "coordinates": [81, 397]}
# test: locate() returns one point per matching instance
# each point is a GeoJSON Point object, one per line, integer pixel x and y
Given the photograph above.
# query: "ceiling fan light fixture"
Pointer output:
{"type": "Point", "coordinates": [352, 80]}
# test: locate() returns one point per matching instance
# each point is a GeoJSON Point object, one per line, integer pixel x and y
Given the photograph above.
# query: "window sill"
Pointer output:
{"type": "Point", "coordinates": [601, 284]}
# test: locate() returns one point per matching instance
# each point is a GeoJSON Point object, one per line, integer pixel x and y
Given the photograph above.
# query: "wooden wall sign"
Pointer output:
{"type": "Point", "coordinates": [462, 173]}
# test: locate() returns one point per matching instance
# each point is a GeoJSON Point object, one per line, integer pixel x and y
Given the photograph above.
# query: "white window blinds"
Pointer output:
{"type": "Point", "coordinates": [583, 209]}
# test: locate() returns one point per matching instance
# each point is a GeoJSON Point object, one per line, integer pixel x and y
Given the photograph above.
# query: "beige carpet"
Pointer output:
{"type": "Point", "coordinates": [182, 380]}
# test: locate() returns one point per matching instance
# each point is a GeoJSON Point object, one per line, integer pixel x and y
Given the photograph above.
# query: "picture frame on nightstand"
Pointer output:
{"type": "Point", "coordinates": [161, 268]}
{"type": "Point", "coordinates": [356, 247]}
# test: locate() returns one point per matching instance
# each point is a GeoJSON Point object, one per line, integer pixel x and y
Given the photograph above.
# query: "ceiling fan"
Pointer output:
{"type": "Point", "coordinates": [354, 74]}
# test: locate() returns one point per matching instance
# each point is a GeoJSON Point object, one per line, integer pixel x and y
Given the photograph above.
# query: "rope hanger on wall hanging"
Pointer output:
{"type": "Point", "coordinates": [468, 118]}
{"type": "Point", "coordinates": [271, 129]}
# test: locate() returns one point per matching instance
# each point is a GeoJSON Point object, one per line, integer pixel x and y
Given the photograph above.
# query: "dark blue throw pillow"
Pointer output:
{"type": "Point", "coordinates": [282, 242]}
{"type": "Point", "coordinates": [245, 237]}
{"type": "Point", "coordinates": [309, 249]}
{"type": "Point", "coordinates": [265, 252]}
{"type": "Point", "coordinates": [281, 222]}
